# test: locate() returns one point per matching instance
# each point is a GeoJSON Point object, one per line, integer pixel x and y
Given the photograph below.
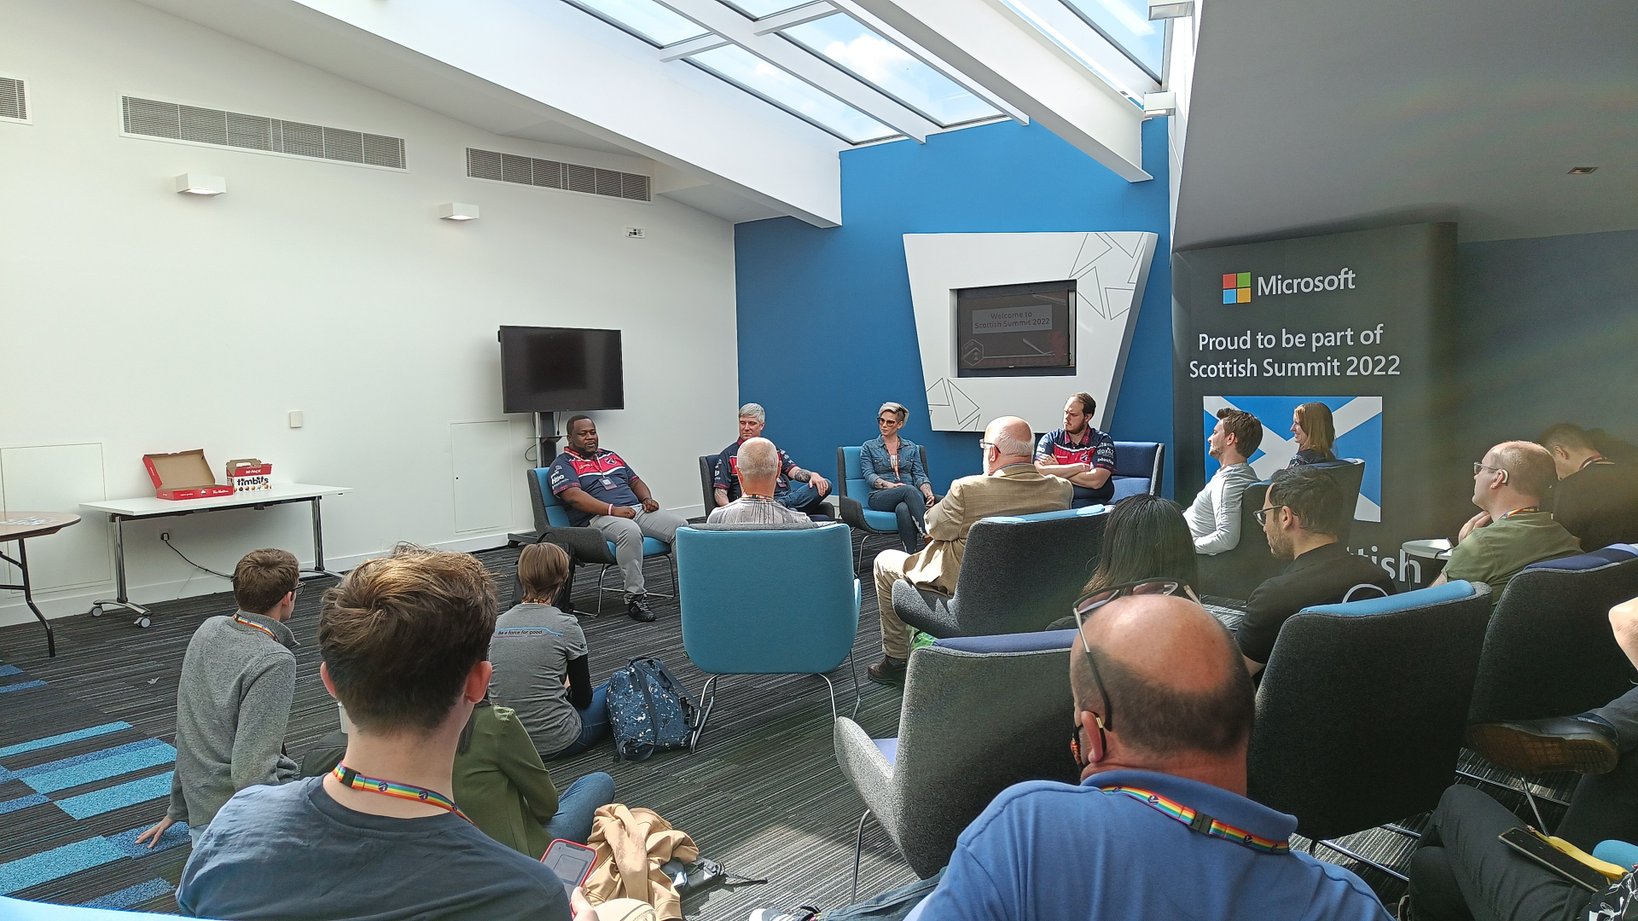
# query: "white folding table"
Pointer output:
{"type": "Point", "coordinates": [120, 511]}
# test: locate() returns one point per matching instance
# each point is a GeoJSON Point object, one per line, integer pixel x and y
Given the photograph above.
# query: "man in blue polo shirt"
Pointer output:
{"type": "Point", "coordinates": [806, 494]}
{"type": "Point", "coordinates": [1160, 826]}
{"type": "Point", "coordinates": [602, 491]}
{"type": "Point", "coordinates": [1079, 453]}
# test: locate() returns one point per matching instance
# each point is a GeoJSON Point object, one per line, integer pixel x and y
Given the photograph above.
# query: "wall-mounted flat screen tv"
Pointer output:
{"type": "Point", "coordinates": [1015, 330]}
{"type": "Point", "coordinates": [553, 369]}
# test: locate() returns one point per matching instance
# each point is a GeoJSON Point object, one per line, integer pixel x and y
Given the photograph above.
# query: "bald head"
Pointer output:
{"type": "Point", "coordinates": [758, 466]}
{"type": "Point", "coordinates": [1174, 677]}
{"type": "Point", "coordinates": [1013, 440]}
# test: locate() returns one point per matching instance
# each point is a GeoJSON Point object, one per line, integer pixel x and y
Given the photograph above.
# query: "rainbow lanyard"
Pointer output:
{"type": "Point", "coordinates": [1202, 823]}
{"type": "Point", "coordinates": [1520, 511]}
{"type": "Point", "coordinates": [357, 781]}
{"type": "Point", "coordinates": [255, 626]}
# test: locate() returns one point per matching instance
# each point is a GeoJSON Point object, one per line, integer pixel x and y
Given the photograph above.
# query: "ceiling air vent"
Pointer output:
{"type": "Point", "coordinates": [552, 174]}
{"type": "Point", "coordinates": [157, 119]}
{"type": "Point", "coordinates": [13, 99]}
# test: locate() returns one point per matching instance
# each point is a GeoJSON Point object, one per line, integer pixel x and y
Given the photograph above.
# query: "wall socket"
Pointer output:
{"type": "Point", "coordinates": [635, 233]}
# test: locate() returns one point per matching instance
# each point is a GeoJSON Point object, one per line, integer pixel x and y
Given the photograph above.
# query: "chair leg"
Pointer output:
{"type": "Point", "coordinates": [1523, 787]}
{"type": "Point", "coordinates": [708, 699]}
{"type": "Point", "coordinates": [1352, 855]}
{"type": "Point", "coordinates": [858, 853]}
{"type": "Point", "coordinates": [672, 558]}
{"type": "Point", "coordinates": [600, 576]}
{"type": "Point", "coordinates": [832, 688]}
{"type": "Point", "coordinates": [853, 667]}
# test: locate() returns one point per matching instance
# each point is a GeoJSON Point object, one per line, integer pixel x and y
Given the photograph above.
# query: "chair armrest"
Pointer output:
{"type": "Point", "coordinates": [857, 597]}
{"type": "Point", "coordinates": [928, 612]}
{"type": "Point", "coordinates": [868, 770]}
{"type": "Point", "coordinates": [584, 545]}
{"type": "Point", "coordinates": [852, 512]}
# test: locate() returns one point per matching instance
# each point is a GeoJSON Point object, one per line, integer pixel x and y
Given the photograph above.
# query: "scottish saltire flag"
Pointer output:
{"type": "Point", "coordinates": [1359, 434]}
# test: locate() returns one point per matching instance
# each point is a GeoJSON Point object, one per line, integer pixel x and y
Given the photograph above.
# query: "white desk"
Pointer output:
{"type": "Point", "coordinates": [120, 511]}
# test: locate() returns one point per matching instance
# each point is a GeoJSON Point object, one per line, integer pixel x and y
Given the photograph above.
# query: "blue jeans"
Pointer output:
{"type": "Point", "coordinates": [1086, 495]}
{"type": "Point", "coordinates": [594, 723]}
{"type": "Point", "coordinates": [802, 497]}
{"type": "Point", "coordinates": [907, 503]}
{"type": "Point", "coordinates": [577, 806]}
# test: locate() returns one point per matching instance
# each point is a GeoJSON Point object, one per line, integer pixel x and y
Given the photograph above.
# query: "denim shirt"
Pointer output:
{"type": "Point", "coordinates": [876, 464]}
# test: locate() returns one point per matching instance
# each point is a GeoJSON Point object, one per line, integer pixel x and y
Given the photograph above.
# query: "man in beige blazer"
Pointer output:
{"type": "Point", "coordinates": [1010, 486]}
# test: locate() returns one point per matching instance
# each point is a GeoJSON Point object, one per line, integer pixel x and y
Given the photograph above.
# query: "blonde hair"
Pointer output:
{"type": "Point", "coordinates": [896, 409]}
{"type": "Point", "coordinates": [542, 568]}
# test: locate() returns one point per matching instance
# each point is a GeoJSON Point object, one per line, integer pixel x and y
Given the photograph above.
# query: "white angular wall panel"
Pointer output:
{"type": "Point", "coordinates": [1109, 269]}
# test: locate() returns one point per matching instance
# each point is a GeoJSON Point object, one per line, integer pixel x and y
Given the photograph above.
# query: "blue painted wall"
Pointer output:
{"type": "Point", "coordinates": [826, 330]}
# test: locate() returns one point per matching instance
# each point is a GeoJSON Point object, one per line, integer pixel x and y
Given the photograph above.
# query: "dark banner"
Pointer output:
{"type": "Point", "coordinates": [1356, 321]}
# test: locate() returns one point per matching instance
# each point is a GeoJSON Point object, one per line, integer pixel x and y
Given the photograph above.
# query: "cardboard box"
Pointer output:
{"type": "Point", "coordinates": [249, 474]}
{"type": "Point", "coordinates": [183, 475]}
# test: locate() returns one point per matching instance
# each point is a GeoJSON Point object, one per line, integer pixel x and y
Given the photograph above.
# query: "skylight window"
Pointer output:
{"type": "Point", "coordinates": [753, 74]}
{"type": "Point", "coordinates": [862, 52]}
{"type": "Point", "coordinates": [757, 9]}
{"type": "Point", "coordinates": [645, 19]}
{"type": "Point", "coordinates": [1125, 23]}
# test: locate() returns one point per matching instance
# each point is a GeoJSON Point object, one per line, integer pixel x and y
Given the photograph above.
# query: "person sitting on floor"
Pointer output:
{"type": "Point", "coordinates": [403, 643]}
{"type": "Point", "coordinates": [541, 662]}
{"type": "Point", "coordinates": [1511, 531]}
{"type": "Point", "coordinates": [803, 490]}
{"type": "Point", "coordinates": [1010, 485]}
{"type": "Point", "coordinates": [757, 465]}
{"type": "Point", "coordinates": [1596, 498]}
{"type": "Point", "coordinates": [1159, 825]}
{"type": "Point", "coordinates": [1301, 516]}
{"type": "Point", "coordinates": [1461, 870]}
{"type": "Point", "coordinates": [233, 696]}
{"type": "Point", "coordinates": [1214, 516]}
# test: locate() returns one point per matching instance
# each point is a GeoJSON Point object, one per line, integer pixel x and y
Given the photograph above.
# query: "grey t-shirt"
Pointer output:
{"type": "Point", "coordinates": [530, 651]}
{"type": "Point", "coordinates": [292, 852]}
{"type": "Point", "coordinates": [751, 514]}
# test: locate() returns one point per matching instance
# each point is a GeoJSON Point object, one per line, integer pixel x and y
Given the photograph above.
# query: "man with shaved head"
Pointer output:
{"type": "Point", "coordinates": [1159, 826]}
{"type": "Point", "coordinates": [756, 507]}
{"type": "Point", "coordinates": [1511, 531]}
{"type": "Point", "coordinates": [1010, 485]}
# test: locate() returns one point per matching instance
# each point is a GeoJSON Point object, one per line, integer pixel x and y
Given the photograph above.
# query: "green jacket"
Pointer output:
{"type": "Point", "coordinates": [501, 783]}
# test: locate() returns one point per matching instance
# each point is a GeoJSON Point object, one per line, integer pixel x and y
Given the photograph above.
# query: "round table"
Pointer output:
{"type": "Point", "coordinates": [19, 526]}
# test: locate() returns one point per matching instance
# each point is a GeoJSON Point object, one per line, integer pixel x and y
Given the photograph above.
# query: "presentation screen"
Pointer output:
{"type": "Point", "coordinates": [552, 369]}
{"type": "Point", "coordinates": [1015, 330]}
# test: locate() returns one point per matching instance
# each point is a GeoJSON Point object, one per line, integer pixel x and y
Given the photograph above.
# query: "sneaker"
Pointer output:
{"type": "Point", "coordinates": [799, 913]}
{"type": "Point", "coordinates": [637, 609]}
{"type": "Point", "coordinates": [888, 671]}
{"type": "Point", "coordinates": [1584, 743]}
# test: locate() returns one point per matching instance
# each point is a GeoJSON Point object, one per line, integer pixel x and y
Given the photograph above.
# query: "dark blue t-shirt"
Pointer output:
{"type": "Point", "coordinates": [293, 852]}
{"type": "Point", "coordinates": [605, 477]}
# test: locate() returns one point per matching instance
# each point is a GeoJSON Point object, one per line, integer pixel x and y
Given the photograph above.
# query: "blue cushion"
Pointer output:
{"type": "Point", "coordinates": [881, 521]}
{"type": "Point", "coordinates": [1135, 458]}
{"type": "Point", "coordinates": [1424, 597]}
{"type": "Point", "coordinates": [20, 910]}
{"type": "Point", "coordinates": [1128, 486]}
{"type": "Point", "coordinates": [1615, 553]}
{"type": "Point", "coordinates": [651, 547]}
{"type": "Point", "coordinates": [1089, 511]}
{"type": "Point", "coordinates": [1616, 852]}
{"type": "Point", "coordinates": [1010, 642]}
{"type": "Point", "coordinates": [889, 749]}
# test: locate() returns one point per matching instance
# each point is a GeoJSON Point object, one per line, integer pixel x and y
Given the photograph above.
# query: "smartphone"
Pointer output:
{"type": "Point", "coordinates": [1529, 842]}
{"type": "Point", "coordinates": [571, 861]}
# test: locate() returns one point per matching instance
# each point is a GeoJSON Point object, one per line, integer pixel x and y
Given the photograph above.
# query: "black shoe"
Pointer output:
{"type": "Point", "coordinates": [637, 609]}
{"type": "Point", "coordinates": [1584, 743]}
{"type": "Point", "coordinates": [888, 671]}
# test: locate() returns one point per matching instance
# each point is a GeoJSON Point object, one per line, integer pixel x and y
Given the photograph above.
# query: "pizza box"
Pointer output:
{"type": "Point", "coordinates": [183, 475]}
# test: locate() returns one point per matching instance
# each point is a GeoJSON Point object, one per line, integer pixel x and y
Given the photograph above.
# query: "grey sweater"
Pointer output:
{"type": "Point", "coordinates": [232, 708]}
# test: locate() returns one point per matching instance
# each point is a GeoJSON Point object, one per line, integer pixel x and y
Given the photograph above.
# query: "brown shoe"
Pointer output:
{"type": "Point", "coordinates": [888, 671]}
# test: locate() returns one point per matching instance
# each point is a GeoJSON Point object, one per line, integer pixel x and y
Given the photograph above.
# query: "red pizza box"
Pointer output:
{"type": "Point", "coordinates": [183, 475]}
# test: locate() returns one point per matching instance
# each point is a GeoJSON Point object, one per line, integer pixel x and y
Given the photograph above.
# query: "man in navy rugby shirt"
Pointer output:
{"type": "Point", "coordinates": [1079, 453]}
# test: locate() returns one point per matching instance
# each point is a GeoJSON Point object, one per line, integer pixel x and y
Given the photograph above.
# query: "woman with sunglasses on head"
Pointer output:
{"type": "Point", "coordinates": [895, 469]}
{"type": "Point", "coordinates": [1145, 539]}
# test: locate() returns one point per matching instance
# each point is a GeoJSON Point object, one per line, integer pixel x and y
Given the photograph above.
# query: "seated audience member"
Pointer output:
{"type": "Point", "coordinates": [541, 665]}
{"type": "Point", "coordinates": [1010, 485]}
{"type": "Point", "coordinates": [896, 471]}
{"type": "Point", "coordinates": [1511, 531]}
{"type": "Point", "coordinates": [601, 490]}
{"type": "Point", "coordinates": [1596, 498]}
{"type": "Point", "coordinates": [1079, 453]}
{"type": "Point", "coordinates": [1601, 744]}
{"type": "Point", "coordinates": [757, 466]}
{"type": "Point", "coordinates": [1159, 825]}
{"type": "Point", "coordinates": [1214, 517]}
{"type": "Point", "coordinates": [1314, 433]}
{"type": "Point", "coordinates": [1461, 870]}
{"type": "Point", "coordinates": [1301, 516]}
{"type": "Point", "coordinates": [803, 490]}
{"type": "Point", "coordinates": [1144, 540]}
{"type": "Point", "coordinates": [403, 643]}
{"type": "Point", "coordinates": [233, 697]}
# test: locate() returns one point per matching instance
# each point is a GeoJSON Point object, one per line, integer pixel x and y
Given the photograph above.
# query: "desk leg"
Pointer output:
{"type": "Point", "coordinates": [318, 540]}
{"type": "Point", "coordinates": [123, 599]}
{"type": "Point", "coordinates": [28, 594]}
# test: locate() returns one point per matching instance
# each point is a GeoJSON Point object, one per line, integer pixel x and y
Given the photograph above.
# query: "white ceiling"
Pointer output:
{"type": "Point", "coordinates": [1333, 114]}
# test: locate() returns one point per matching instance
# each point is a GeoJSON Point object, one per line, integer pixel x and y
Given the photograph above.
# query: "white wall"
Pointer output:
{"type": "Point", "coordinates": [135, 320]}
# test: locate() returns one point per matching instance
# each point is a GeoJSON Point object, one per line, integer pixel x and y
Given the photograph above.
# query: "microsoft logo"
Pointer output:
{"type": "Point", "coordinates": [1237, 288]}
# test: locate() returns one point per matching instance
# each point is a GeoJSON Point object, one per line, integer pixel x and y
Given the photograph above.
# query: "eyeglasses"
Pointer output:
{"type": "Point", "coordinates": [1262, 513]}
{"type": "Point", "coordinates": [884, 420]}
{"type": "Point", "coordinates": [1083, 609]}
{"type": "Point", "coordinates": [1477, 466]}
{"type": "Point", "coordinates": [986, 445]}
